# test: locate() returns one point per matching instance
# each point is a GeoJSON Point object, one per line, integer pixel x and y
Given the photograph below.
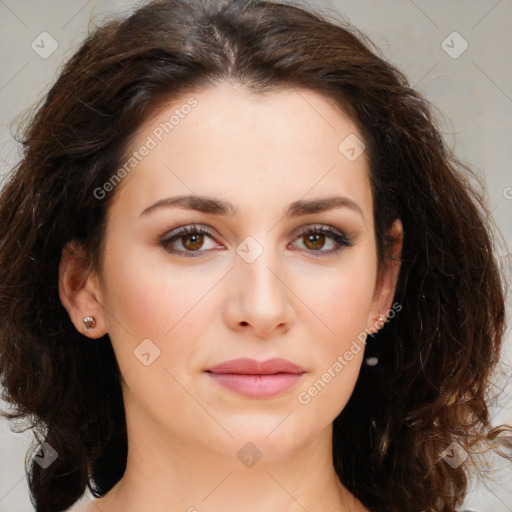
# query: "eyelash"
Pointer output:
{"type": "Point", "coordinates": [339, 237]}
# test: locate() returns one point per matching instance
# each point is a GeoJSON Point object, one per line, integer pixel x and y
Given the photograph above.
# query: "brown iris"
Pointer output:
{"type": "Point", "coordinates": [314, 240]}
{"type": "Point", "coordinates": [193, 241]}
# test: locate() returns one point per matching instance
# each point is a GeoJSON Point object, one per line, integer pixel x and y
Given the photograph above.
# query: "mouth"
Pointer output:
{"type": "Point", "coordinates": [255, 379]}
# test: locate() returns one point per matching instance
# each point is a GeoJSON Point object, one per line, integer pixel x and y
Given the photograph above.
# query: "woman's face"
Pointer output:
{"type": "Point", "coordinates": [279, 261]}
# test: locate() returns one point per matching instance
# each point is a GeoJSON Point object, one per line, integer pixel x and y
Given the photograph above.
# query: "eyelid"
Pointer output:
{"type": "Point", "coordinates": [192, 228]}
{"type": "Point", "coordinates": [322, 227]}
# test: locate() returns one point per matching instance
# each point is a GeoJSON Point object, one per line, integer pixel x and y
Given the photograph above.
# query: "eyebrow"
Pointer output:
{"type": "Point", "coordinates": [214, 206]}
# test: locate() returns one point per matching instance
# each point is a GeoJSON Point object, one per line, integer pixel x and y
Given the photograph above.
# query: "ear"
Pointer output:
{"type": "Point", "coordinates": [387, 279]}
{"type": "Point", "coordinates": [79, 290]}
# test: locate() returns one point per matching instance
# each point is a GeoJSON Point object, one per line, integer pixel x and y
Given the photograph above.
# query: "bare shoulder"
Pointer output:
{"type": "Point", "coordinates": [84, 506]}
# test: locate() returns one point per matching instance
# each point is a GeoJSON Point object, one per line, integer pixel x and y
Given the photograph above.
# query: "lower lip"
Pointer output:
{"type": "Point", "coordinates": [257, 386]}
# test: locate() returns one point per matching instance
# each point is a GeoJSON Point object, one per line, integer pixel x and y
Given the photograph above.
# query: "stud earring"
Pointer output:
{"type": "Point", "coordinates": [89, 323]}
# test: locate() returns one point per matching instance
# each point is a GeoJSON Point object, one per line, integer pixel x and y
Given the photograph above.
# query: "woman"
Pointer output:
{"type": "Point", "coordinates": [240, 270]}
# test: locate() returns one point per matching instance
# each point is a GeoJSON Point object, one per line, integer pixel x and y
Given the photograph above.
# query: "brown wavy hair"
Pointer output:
{"type": "Point", "coordinates": [436, 356]}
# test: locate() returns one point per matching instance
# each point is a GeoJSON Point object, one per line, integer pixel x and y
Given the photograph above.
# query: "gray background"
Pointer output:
{"type": "Point", "coordinates": [473, 90]}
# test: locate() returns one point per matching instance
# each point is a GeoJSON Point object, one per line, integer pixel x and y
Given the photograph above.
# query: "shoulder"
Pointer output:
{"type": "Point", "coordinates": [82, 506]}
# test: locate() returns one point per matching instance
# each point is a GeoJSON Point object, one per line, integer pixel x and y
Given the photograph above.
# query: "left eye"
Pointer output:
{"type": "Point", "coordinates": [192, 239]}
{"type": "Point", "coordinates": [315, 239]}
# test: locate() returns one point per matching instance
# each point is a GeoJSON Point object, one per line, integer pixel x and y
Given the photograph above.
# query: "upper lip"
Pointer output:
{"type": "Point", "coordinates": [246, 366]}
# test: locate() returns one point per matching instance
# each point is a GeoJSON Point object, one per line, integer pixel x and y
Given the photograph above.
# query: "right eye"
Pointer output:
{"type": "Point", "coordinates": [191, 238]}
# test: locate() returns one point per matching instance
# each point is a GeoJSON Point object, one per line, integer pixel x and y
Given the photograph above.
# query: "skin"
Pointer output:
{"type": "Point", "coordinates": [260, 153]}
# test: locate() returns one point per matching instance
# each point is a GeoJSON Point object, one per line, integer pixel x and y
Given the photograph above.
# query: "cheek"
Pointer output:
{"type": "Point", "coordinates": [151, 300]}
{"type": "Point", "coordinates": [337, 355]}
{"type": "Point", "coordinates": [345, 302]}
{"type": "Point", "coordinates": [146, 309]}
{"type": "Point", "coordinates": [147, 296]}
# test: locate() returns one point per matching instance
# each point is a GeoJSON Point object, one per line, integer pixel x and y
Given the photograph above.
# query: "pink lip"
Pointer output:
{"type": "Point", "coordinates": [255, 379]}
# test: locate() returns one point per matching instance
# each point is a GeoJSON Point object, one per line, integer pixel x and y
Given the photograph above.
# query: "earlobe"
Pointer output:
{"type": "Point", "coordinates": [79, 291]}
{"type": "Point", "coordinates": [387, 280]}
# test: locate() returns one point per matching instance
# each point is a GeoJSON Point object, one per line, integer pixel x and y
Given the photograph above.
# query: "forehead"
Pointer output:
{"type": "Point", "coordinates": [240, 146]}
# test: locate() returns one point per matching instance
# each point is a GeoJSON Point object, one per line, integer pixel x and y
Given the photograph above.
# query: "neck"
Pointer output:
{"type": "Point", "coordinates": [166, 473]}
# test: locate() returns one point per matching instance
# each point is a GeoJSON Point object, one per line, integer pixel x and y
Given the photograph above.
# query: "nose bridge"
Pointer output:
{"type": "Point", "coordinates": [261, 295]}
{"type": "Point", "coordinates": [256, 266]}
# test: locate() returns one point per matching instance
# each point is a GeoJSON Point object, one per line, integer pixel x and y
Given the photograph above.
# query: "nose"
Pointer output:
{"type": "Point", "coordinates": [258, 298]}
